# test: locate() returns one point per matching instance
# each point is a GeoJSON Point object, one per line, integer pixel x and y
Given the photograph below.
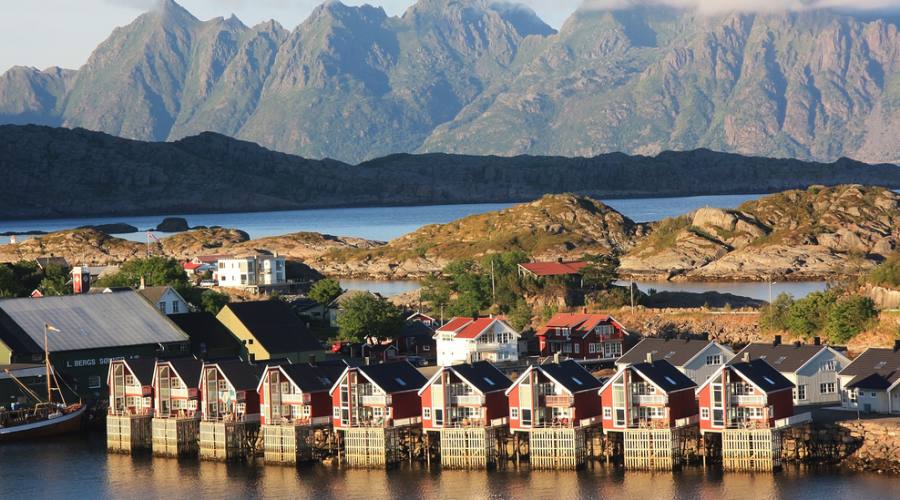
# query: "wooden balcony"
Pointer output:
{"type": "Point", "coordinates": [559, 401]}
{"type": "Point", "coordinates": [375, 400]}
{"type": "Point", "coordinates": [748, 400]}
{"type": "Point", "coordinates": [648, 399]}
{"type": "Point", "coordinates": [467, 400]}
{"type": "Point", "coordinates": [295, 399]}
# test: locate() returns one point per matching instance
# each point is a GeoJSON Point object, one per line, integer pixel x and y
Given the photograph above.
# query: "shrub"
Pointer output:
{"type": "Point", "coordinates": [849, 317]}
{"type": "Point", "coordinates": [887, 273]}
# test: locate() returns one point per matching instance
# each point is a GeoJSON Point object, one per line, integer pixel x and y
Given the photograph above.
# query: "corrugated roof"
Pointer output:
{"type": "Point", "coordinates": [675, 351]}
{"type": "Point", "coordinates": [874, 369]}
{"type": "Point", "coordinates": [554, 268]}
{"type": "Point", "coordinates": [92, 321]}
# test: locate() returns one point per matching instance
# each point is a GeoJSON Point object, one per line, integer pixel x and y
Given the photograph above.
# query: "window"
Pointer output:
{"type": "Point", "coordinates": [162, 307]}
{"type": "Point", "coordinates": [94, 382]}
{"type": "Point", "coordinates": [827, 388]}
{"type": "Point", "coordinates": [704, 413]}
{"type": "Point", "coordinates": [129, 380]}
{"type": "Point", "coordinates": [526, 416]}
{"type": "Point", "coordinates": [223, 385]}
{"type": "Point", "coordinates": [851, 394]}
{"type": "Point", "coordinates": [514, 413]}
{"type": "Point", "coordinates": [577, 348]}
{"type": "Point", "coordinates": [828, 366]}
{"type": "Point", "coordinates": [175, 306]}
{"type": "Point", "coordinates": [426, 413]}
{"type": "Point", "coordinates": [715, 359]}
{"type": "Point", "coordinates": [607, 413]}
{"type": "Point", "coordinates": [801, 392]}
{"type": "Point", "coordinates": [438, 416]}
{"type": "Point", "coordinates": [336, 413]}
{"type": "Point", "coordinates": [592, 348]}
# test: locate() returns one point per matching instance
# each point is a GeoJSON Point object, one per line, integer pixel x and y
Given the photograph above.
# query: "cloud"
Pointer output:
{"type": "Point", "coordinates": [718, 6]}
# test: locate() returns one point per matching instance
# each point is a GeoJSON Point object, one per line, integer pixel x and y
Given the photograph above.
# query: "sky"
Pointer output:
{"type": "Point", "coordinates": [44, 33]}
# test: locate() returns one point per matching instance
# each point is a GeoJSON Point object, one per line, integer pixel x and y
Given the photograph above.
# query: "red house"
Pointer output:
{"type": "Point", "coordinates": [553, 395]}
{"type": "Point", "coordinates": [377, 396]}
{"type": "Point", "coordinates": [228, 392]}
{"type": "Point", "coordinates": [176, 388]}
{"type": "Point", "coordinates": [297, 394]}
{"type": "Point", "coordinates": [653, 394]}
{"type": "Point", "coordinates": [582, 336]}
{"type": "Point", "coordinates": [130, 384]}
{"type": "Point", "coordinates": [744, 394]}
{"type": "Point", "coordinates": [465, 395]}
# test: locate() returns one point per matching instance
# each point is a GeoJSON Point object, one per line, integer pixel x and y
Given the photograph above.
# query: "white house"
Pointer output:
{"type": "Point", "coordinates": [697, 359]}
{"type": "Point", "coordinates": [813, 368]}
{"type": "Point", "coordinates": [251, 271]}
{"type": "Point", "coordinates": [467, 340]}
{"type": "Point", "coordinates": [165, 299]}
{"type": "Point", "coordinates": [871, 383]}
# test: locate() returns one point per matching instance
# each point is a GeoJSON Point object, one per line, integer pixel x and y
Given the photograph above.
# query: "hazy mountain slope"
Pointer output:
{"type": "Point", "coordinates": [28, 95]}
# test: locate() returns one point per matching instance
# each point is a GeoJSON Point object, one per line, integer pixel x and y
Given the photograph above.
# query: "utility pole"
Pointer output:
{"type": "Point", "coordinates": [493, 283]}
{"type": "Point", "coordinates": [631, 289]}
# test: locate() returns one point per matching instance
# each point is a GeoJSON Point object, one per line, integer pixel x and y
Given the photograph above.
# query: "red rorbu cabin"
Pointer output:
{"type": "Point", "coordinates": [553, 395]}
{"type": "Point", "coordinates": [582, 336]}
{"type": "Point", "coordinates": [176, 388]}
{"type": "Point", "coordinates": [297, 394]}
{"type": "Point", "coordinates": [745, 394]}
{"type": "Point", "coordinates": [377, 396]}
{"type": "Point", "coordinates": [465, 395]}
{"type": "Point", "coordinates": [653, 394]}
{"type": "Point", "coordinates": [228, 392]}
{"type": "Point", "coordinates": [130, 384]}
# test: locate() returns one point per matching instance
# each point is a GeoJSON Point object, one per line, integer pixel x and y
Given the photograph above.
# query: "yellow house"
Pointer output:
{"type": "Point", "coordinates": [270, 330]}
{"type": "Point", "coordinates": [5, 354]}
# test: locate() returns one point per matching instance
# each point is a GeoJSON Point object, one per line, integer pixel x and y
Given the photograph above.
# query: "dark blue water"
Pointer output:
{"type": "Point", "coordinates": [79, 468]}
{"type": "Point", "coordinates": [379, 223]}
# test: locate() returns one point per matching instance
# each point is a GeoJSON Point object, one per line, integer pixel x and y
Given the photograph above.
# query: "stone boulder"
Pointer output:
{"type": "Point", "coordinates": [173, 225]}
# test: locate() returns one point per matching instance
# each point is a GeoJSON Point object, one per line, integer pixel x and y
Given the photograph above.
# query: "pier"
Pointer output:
{"type": "Point", "coordinates": [175, 437]}
{"type": "Point", "coordinates": [129, 433]}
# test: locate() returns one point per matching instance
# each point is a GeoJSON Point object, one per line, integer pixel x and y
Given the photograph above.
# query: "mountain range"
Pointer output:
{"type": "Point", "coordinates": [59, 172]}
{"type": "Point", "coordinates": [478, 77]}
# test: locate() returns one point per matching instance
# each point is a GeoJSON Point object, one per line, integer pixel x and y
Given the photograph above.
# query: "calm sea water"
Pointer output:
{"type": "Point", "coordinates": [377, 223]}
{"type": "Point", "coordinates": [80, 468]}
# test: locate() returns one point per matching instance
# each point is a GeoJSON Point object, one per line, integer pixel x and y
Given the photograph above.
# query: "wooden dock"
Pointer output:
{"type": "Point", "coordinates": [751, 449]}
{"type": "Point", "coordinates": [371, 446]}
{"type": "Point", "coordinates": [557, 448]}
{"type": "Point", "coordinates": [287, 444]}
{"type": "Point", "coordinates": [654, 449]}
{"type": "Point", "coordinates": [470, 447]}
{"type": "Point", "coordinates": [129, 433]}
{"type": "Point", "coordinates": [227, 441]}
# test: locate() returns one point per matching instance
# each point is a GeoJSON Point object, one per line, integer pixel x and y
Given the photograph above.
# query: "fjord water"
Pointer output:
{"type": "Point", "coordinates": [79, 467]}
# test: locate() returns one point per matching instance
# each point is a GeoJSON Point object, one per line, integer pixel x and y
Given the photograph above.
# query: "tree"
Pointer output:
{"type": "Point", "coordinates": [774, 316]}
{"type": "Point", "coordinates": [601, 272]}
{"type": "Point", "coordinates": [55, 282]}
{"type": "Point", "coordinates": [849, 317]}
{"type": "Point", "coordinates": [156, 271]}
{"type": "Point", "coordinates": [364, 316]}
{"type": "Point", "coordinates": [807, 316]}
{"type": "Point", "coordinates": [325, 291]}
{"type": "Point", "coordinates": [521, 315]}
{"type": "Point", "coordinates": [213, 302]}
{"type": "Point", "coordinates": [887, 273]}
{"type": "Point", "coordinates": [435, 292]}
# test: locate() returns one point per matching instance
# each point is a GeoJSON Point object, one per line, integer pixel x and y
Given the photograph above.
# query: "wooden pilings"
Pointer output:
{"type": "Point", "coordinates": [129, 433]}
{"type": "Point", "coordinates": [176, 437]}
{"type": "Point", "coordinates": [228, 441]}
{"type": "Point", "coordinates": [751, 449]}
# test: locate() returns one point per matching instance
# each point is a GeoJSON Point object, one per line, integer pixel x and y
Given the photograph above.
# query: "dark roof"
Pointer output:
{"type": "Point", "coordinates": [243, 376]}
{"type": "Point", "coordinates": [762, 374]}
{"type": "Point", "coordinates": [395, 377]}
{"type": "Point", "coordinates": [571, 375]}
{"type": "Point", "coordinates": [154, 293]}
{"type": "Point", "coordinates": [188, 369]}
{"type": "Point", "coordinates": [483, 376]}
{"type": "Point", "coordinates": [16, 338]}
{"type": "Point", "coordinates": [416, 329]}
{"type": "Point", "coordinates": [311, 378]}
{"type": "Point", "coordinates": [204, 328]}
{"type": "Point", "coordinates": [275, 326]}
{"type": "Point", "coordinates": [142, 369]}
{"type": "Point", "coordinates": [43, 262]}
{"type": "Point", "coordinates": [675, 351]}
{"type": "Point", "coordinates": [304, 304]}
{"type": "Point", "coordinates": [786, 358]}
{"type": "Point", "coordinates": [874, 369]}
{"type": "Point", "coordinates": [665, 375]}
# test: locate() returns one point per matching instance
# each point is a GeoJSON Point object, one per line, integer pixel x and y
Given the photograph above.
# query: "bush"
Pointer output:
{"type": "Point", "coordinates": [807, 316]}
{"type": "Point", "coordinates": [887, 273]}
{"type": "Point", "coordinates": [156, 271]}
{"type": "Point", "coordinates": [325, 291]}
{"type": "Point", "coordinates": [213, 302]}
{"type": "Point", "coordinates": [849, 317]}
{"type": "Point", "coordinates": [774, 316]}
{"type": "Point", "coordinates": [366, 316]}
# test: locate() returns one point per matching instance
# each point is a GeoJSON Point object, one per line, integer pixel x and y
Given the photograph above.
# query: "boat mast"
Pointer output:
{"type": "Point", "coordinates": [47, 363]}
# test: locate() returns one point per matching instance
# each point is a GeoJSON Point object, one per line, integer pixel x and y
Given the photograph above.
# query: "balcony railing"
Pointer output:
{"type": "Point", "coordinates": [179, 393]}
{"type": "Point", "coordinates": [467, 400]}
{"type": "Point", "coordinates": [649, 399]}
{"type": "Point", "coordinates": [375, 400]}
{"type": "Point", "coordinates": [687, 421]}
{"type": "Point", "coordinates": [559, 401]}
{"type": "Point", "coordinates": [295, 399]}
{"type": "Point", "coordinates": [749, 400]}
{"type": "Point", "coordinates": [493, 347]}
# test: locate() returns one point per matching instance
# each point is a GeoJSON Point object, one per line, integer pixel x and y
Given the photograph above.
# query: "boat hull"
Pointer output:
{"type": "Point", "coordinates": [68, 423]}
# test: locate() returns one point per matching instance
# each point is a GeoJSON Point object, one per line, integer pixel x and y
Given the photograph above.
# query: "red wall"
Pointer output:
{"type": "Point", "coordinates": [783, 403]}
{"type": "Point", "coordinates": [405, 405]}
{"type": "Point", "coordinates": [497, 405]}
{"type": "Point", "coordinates": [682, 404]}
{"type": "Point", "coordinates": [425, 401]}
{"type": "Point", "coordinates": [704, 400]}
{"type": "Point", "coordinates": [320, 404]}
{"type": "Point", "coordinates": [513, 400]}
{"type": "Point", "coordinates": [587, 405]}
{"type": "Point", "coordinates": [251, 398]}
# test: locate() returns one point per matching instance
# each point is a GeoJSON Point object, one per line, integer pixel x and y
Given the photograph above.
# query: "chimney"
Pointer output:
{"type": "Point", "coordinates": [559, 260]}
{"type": "Point", "coordinates": [896, 345]}
{"type": "Point", "coordinates": [650, 357]}
{"type": "Point", "coordinates": [556, 357]}
{"type": "Point", "coordinates": [777, 340]}
{"type": "Point", "coordinates": [143, 283]}
{"type": "Point", "coordinates": [817, 340]}
{"type": "Point", "coordinates": [746, 358]}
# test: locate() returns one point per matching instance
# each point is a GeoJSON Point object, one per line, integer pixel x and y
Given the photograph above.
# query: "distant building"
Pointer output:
{"type": "Point", "coordinates": [582, 336]}
{"type": "Point", "coordinates": [698, 359]}
{"type": "Point", "coordinates": [165, 299]}
{"type": "Point", "coordinates": [466, 340]}
{"type": "Point", "coordinates": [549, 269]}
{"type": "Point", "coordinates": [416, 339]}
{"type": "Point", "coordinates": [813, 369]}
{"type": "Point", "coordinates": [93, 329]}
{"type": "Point", "coordinates": [81, 280]}
{"type": "Point", "coordinates": [45, 262]}
{"type": "Point", "coordinates": [422, 318]}
{"type": "Point", "coordinates": [252, 271]}
{"type": "Point", "coordinates": [210, 339]}
{"type": "Point", "coordinates": [270, 329]}
{"type": "Point", "coordinates": [871, 383]}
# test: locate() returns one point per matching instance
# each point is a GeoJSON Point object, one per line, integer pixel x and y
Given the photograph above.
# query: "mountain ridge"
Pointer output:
{"type": "Point", "coordinates": [470, 77]}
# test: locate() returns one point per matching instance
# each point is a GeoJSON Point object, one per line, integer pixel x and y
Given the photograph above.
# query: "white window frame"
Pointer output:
{"type": "Point", "coordinates": [95, 385]}
{"type": "Point", "coordinates": [607, 413]}
{"type": "Point", "coordinates": [514, 413]}
{"type": "Point", "coordinates": [704, 413]}
{"type": "Point", "coordinates": [426, 413]}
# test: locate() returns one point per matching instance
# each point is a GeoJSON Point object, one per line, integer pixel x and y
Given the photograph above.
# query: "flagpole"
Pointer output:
{"type": "Point", "coordinates": [47, 364]}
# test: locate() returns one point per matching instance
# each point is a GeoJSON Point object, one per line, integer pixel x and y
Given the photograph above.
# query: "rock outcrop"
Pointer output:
{"type": "Point", "coordinates": [77, 246]}
{"type": "Point", "coordinates": [810, 234]}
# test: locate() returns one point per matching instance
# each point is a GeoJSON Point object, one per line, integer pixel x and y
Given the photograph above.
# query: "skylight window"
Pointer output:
{"type": "Point", "coordinates": [489, 381]}
{"type": "Point", "coordinates": [577, 381]}
{"type": "Point", "coordinates": [669, 380]}
{"type": "Point", "coordinates": [780, 360]}
{"type": "Point", "coordinates": [880, 365]}
{"type": "Point", "coordinates": [670, 354]}
{"type": "Point", "coordinates": [770, 381]}
{"type": "Point", "coordinates": [400, 381]}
